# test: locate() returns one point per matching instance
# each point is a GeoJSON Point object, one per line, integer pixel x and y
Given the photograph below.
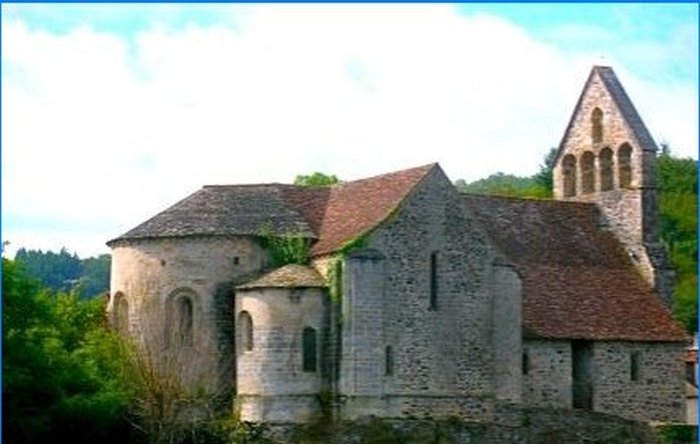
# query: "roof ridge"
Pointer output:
{"type": "Point", "coordinates": [427, 167]}
{"type": "Point", "coordinates": [525, 199]}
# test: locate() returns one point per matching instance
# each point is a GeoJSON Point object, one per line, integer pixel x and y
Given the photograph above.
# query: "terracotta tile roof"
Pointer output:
{"type": "Point", "coordinates": [355, 207]}
{"type": "Point", "coordinates": [578, 282]}
{"type": "Point", "coordinates": [333, 215]}
{"type": "Point", "coordinates": [292, 275]}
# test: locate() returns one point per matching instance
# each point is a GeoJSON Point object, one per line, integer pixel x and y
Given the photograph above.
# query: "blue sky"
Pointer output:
{"type": "Point", "coordinates": [112, 112]}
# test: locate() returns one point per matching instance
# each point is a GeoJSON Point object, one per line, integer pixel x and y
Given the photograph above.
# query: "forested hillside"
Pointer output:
{"type": "Point", "coordinates": [678, 198]}
{"type": "Point", "coordinates": [64, 271]}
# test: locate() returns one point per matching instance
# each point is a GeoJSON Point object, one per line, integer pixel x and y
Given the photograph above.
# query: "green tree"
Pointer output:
{"type": "Point", "coordinates": [65, 272]}
{"type": "Point", "coordinates": [538, 185]}
{"type": "Point", "coordinates": [544, 176]}
{"type": "Point", "coordinates": [58, 271]}
{"type": "Point", "coordinates": [678, 203]}
{"type": "Point", "coordinates": [62, 376]}
{"type": "Point", "coordinates": [94, 280]}
{"type": "Point", "coordinates": [316, 180]}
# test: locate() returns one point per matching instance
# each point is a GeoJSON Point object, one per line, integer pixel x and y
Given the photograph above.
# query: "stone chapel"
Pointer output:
{"type": "Point", "coordinates": [418, 300]}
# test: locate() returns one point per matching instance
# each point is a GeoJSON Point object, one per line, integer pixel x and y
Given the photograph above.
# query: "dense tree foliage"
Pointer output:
{"type": "Point", "coordinates": [62, 374]}
{"type": "Point", "coordinates": [538, 185]}
{"type": "Point", "coordinates": [64, 271]}
{"type": "Point", "coordinates": [678, 202]}
{"type": "Point", "coordinates": [316, 180]}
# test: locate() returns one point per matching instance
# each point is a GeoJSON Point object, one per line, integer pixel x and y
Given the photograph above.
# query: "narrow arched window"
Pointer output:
{"type": "Point", "coordinates": [184, 322]}
{"type": "Point", "coordinates": [587, 172]}
{"type": "Point", "coordinates": [606, 169]}
{"type": "Point", "coordinates": [433, 305]}
{"type": "Point", "coordinates": [245, 331]}
{"type": "Point", "coordinates": [389, 360]}
{"type": "Point", "coordinates": [121, 313]}
{"type": "Point", "coordinates": [181, 318]}
{"type": "Point", "coordinates": [597, 125]}
{"type": "Point", "coordinates": [309, 349]}
{"type": "Point", "coordinates": [569, 170]}
{"type": "Point", "coordinates": [624, 165]}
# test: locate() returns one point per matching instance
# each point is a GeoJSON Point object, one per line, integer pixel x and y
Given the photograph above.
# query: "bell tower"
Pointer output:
{"type": "Point", "coordinates": [608, 157]}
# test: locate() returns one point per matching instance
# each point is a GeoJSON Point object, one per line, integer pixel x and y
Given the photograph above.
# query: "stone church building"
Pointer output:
{"type": "Point", "coordinates": [418, 300]}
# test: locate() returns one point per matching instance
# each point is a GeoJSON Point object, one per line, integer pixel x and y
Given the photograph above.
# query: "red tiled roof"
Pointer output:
{"type": "Point", "coordinates": [354, 208]}
{"type": "Point", "coordinates": [577, 280]}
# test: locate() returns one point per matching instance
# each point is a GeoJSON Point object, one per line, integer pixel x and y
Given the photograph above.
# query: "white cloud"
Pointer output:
{"type": "Point", "coordinates": [107, 130]}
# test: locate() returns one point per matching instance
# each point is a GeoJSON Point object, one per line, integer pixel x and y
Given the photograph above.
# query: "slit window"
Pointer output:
{"type": "Point", "coordinates": [389, 360]}
{"type": "Point", "coordinates": [526, 362]}
{"type": "Point", "coordinates": [433, 305]}
{"type": "Point", "coordinates": [635, 366]}
{"type": "Point", "coordinates": [245, 325]}
{"type": "Point", "coordinates": [597, 125]}
{"type": "Point", "coordinates": [309, 350]}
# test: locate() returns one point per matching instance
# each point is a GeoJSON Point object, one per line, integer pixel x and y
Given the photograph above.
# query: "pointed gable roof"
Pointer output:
{"type": "Point", "coordinates": [354, 208]}
{"type": "Point", "coordinates": [332, 215]}
{"type": "Point", "coordinates": [577, 280]}
{"type": "Point", "coordinates": [622, 102]}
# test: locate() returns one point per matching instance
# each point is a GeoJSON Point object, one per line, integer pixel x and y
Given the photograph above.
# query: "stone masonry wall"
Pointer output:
{"type": "Point", "coordinates": [658, 395]}
{"type": "Point", "coordinates": [272, 385]}
{"type": "Point", "coordinates": [548, 382]}
{"type": "Point", "coordinates": [442, 357]}
{"type": "Point", "coordinates": [616, 132]}
{"type": "Point", "coordinates": [506, 336]}
{"type": "Point", "coordinates": [147, 272]}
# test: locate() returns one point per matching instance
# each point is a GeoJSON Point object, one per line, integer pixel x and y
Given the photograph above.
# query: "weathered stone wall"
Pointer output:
{"type": "Point", "coordinates": [148, 272]}
{"type": "Point", "coordinates": [616, 132]}
{"type": "Point", "coordinates": [363, 366]}
{"type": "Point", "coordinates": [272, 385]}
{"type": "Point", "coordinates": [506, 337]}
{"type": "Point", "coordinates": [442, 357]}
{"type": "Point", "coordinates": [548, 382]}
{"type": "Point", "coordinates": [514, 426]}
{"type": "Point", "coordinates": [658, 395]}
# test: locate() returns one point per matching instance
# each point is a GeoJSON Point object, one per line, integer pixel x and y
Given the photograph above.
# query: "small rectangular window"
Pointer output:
{"type": "Point", "coordinates": [635, 366]}
{"type": "Point", "coordinates": [389, 361]}
{"type": "Point", "coordinates": [526, 362]}
{"type": "Point", "coordinates": [309, 353]}
{"type": "Point", "coordinates": [433, 282]}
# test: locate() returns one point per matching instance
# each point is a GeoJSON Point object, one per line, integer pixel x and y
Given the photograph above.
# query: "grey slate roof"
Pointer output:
{"type": "Point", "coordinates": [289, 276]}
{"type": "Point", "coordinates": [330, 215]}
{"type": "Point", "coordinates": [225, 210]}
